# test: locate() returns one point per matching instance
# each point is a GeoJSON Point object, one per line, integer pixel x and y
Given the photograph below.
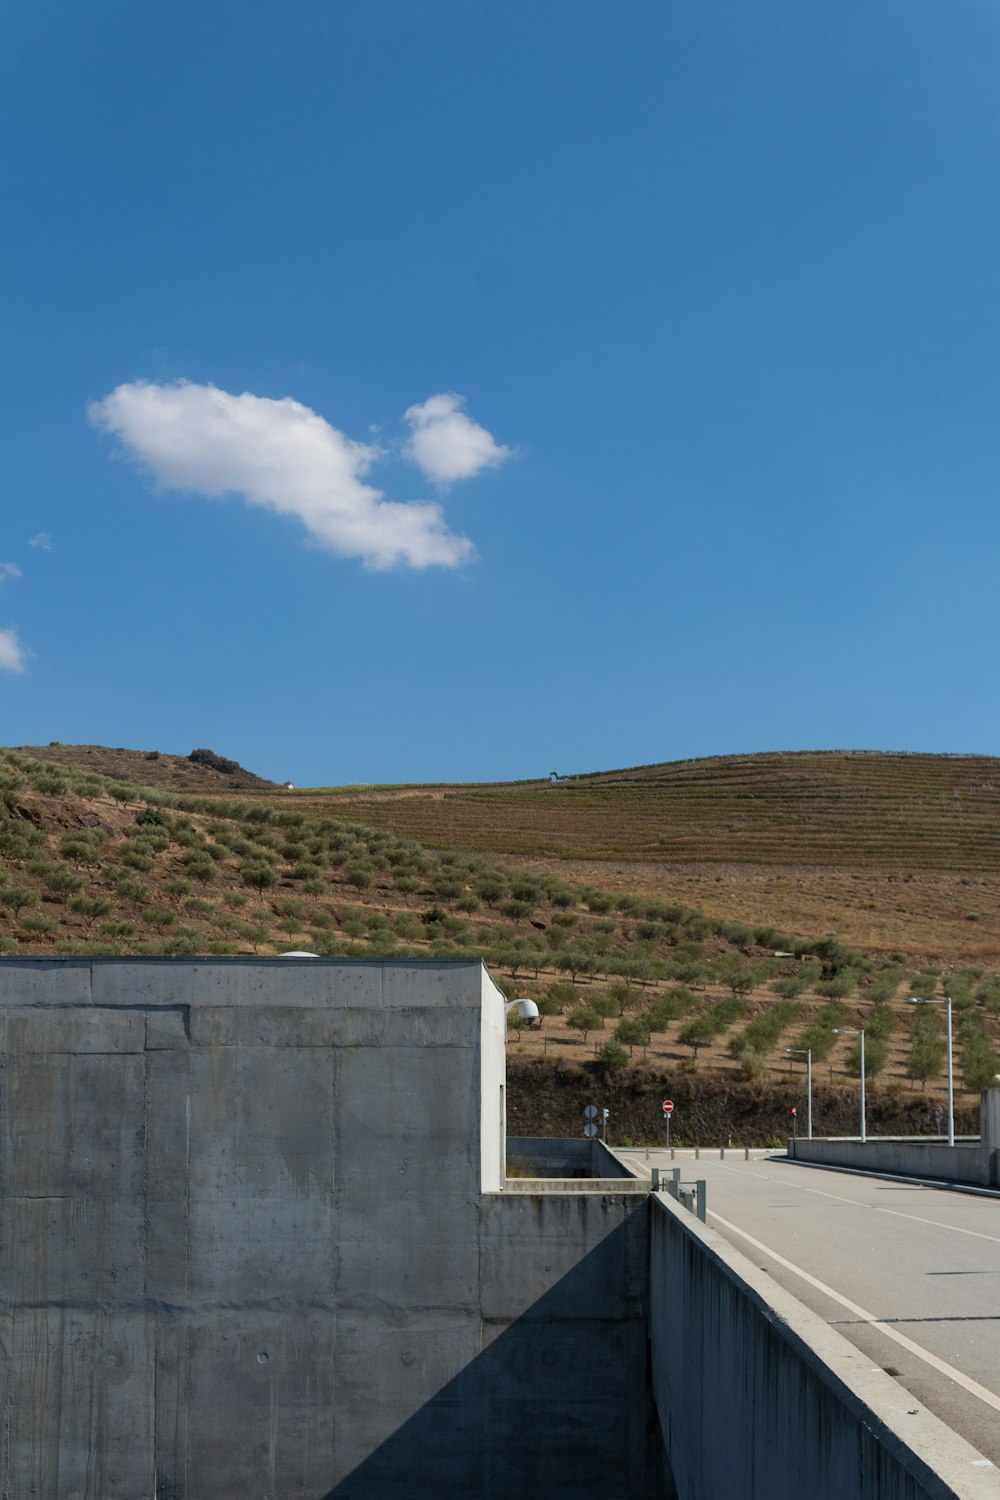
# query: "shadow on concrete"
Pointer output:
{"type": "Point", "coordinates": [557, 1404]}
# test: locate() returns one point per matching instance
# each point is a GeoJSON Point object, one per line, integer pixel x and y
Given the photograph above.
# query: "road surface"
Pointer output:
{"type": "Point", "coordinates": [910, 1274]}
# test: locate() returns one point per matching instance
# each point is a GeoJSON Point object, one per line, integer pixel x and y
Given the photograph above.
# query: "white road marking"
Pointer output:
{"type": "Point", "coordinates": [874, 1207]}
{"type": "Point", "coordinates": [965, 1381]}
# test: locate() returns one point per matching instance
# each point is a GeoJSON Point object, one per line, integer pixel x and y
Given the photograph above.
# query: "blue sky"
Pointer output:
{"type": "Point", "coordinates": [694, 311]}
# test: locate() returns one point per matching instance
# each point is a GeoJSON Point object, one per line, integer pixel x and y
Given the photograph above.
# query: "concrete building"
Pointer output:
{"type": "Point", "coordinates": [256, 1241]}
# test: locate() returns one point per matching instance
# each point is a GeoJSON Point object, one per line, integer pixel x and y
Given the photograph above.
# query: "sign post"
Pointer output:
{"type": "Point", "coordinates": [668, 1109]}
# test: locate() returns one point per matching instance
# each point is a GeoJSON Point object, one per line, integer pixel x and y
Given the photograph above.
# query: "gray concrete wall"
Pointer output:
{"type": "Point", "coordinates": [556, 1400]}
{"type": "Point", "coordinates": [972, 1160]}
{"type": "Point", "coordinates": [566, 1158]}
{"type": "Point", "coordinates": [989, 1131]}
{"type": "Point", "coordinates": [253, 1241]}
{"type": "Point", "coordinates": [967, 1162]}
{"type": "Point", "coordinates": [605, 1163]}
{"type": "Point", "coordinates": [761, 1400]}
{"type": "Point", "coordinates": [542, 1157]}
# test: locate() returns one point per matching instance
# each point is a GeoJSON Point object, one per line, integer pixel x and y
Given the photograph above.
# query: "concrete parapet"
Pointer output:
{"type": "Point", "coordinates": [580, 1158]}
{"type": "Point", "coordinates": [606, 1164]}
{"type": "Point", "coordinates": [966, 1162]}
{"type": "Point", "coordinates": [760, 1399]}
{"type": "Point", "coordinates": [989, 1117]}
{"type": "Point", "coordinates": [974, 1160]}
{"type": "Point", "coordinates": [147, 983]}
{"type": "Point", "coordinates": [537, 1156]}
{"type": "Point", "coordinates": [609, 1186]}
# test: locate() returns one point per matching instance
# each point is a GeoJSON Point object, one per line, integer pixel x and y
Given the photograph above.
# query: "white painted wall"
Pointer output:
{"type": "Point", "coordinates": [492, 1083]}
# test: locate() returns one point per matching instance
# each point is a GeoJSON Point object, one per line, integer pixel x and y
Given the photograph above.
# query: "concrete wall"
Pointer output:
{"type": "Point", "coordinates": [989, 1117]}
{"type": "Point", "coordinates": [566, 1158]}
{"type": "Point", "coordinates": [968, 1162]}
{"type": "Point", "coordinates": [253, 1241]}
{"type": "Point", "coordinates": [973, 1161]}
{"type": "Point", "coordinates": [606, 1164]}
{"type": "Point", "coordinates": [761, 1400]}
{"type": "Point", "coordinates": [989, 1130]}
{"type": "Point", "coordinates": [492, 1074]}
{"type": "Point", "coordinates": [551, 1158]}
{"type": "Point", "coordinates": [557, 1400]}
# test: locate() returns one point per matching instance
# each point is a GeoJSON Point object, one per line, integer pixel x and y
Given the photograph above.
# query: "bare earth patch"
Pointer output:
{"type": "Point", "coordinates": [944, 916]}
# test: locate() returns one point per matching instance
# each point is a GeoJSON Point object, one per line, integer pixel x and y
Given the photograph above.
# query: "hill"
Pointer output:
{"type": "Point", "coordinates": [836, 808]}
{"type": "Point", "coordinates": [201, 771]}
{"type": "Point", "coordinates": [893, 852]}
{"type": "Point", "coordinates": [94, 864]}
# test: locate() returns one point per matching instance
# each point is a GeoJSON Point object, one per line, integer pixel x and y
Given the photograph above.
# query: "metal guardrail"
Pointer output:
{"type": "Point", "coordinates": [692, 1195]}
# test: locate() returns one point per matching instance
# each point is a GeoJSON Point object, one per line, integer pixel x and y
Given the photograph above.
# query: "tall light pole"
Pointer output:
{"type": "Point", "coordinates": [807, 1053]}
{"type": "Point", "coordinates": [846, 1031]}
{"type": "Point", "coordinates": [919, 1000]}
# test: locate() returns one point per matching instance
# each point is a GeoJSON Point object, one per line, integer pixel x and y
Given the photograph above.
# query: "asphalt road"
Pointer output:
{"type": "Point", "coordinates": [909, 1274]}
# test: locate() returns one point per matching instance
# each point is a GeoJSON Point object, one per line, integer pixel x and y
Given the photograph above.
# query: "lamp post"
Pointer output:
{"type": "Point", "coordinates": [919, 1000]}
{"type": "Point", "coordinates": [847, 1031]}
{"type": "Point", "coordinates": [807, 1053]}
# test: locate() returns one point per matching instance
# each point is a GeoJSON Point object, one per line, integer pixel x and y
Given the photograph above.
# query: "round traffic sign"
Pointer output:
{"type": "Point", "coordinates": [668, 1106]}
{"type": "Point", "coordinates": [590, 1113]}
{"type": "Point", "coordinates": [590, 1131]}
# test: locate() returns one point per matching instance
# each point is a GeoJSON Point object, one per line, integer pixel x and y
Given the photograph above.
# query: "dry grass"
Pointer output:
{"type": "Point", "coordinates": [932, 916]}
{"type": "Point", "coordinates": [847, 810]}
{"type": "Point", "coordinates": [177, 773]}
{"type": "Point", "coordinates": [891, 852]}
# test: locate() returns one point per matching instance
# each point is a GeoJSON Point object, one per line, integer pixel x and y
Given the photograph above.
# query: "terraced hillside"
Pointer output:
{"type": "Point", "coordinates": [824, 809]}
{"type": "Point", "coordinates": [891, 852]}
{"type": "Point", "coordinates": [92, 864]}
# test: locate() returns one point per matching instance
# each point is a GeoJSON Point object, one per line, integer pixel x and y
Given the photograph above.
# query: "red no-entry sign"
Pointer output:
{"type": "Point", "coordinates": [668, 1106]}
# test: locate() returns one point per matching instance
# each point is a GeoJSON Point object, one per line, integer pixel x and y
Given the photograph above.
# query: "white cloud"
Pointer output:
{"type": "Point", "coordinates": [11, 652]}
{"type": "Point", "coordinates": [42, 539]}
{"type": "Point", "coordinates": [280, 455]}
{"type": "Point", "coordinates": [446, 444]}
{"type": "Point", "coordinates": [9, 570]}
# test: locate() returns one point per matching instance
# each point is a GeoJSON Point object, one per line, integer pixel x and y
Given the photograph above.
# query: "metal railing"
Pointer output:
{"type": "Point", "coordinates": [691, 1195]}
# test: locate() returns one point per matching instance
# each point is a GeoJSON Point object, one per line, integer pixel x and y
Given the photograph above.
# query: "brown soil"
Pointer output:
{"type": "Point", "coordinates": [893, 853]}
{"type": "Point", "coordinates": [948, 917]}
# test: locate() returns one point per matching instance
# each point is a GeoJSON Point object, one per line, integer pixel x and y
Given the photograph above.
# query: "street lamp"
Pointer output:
{"type": "Point", "coordinates": [807, 1053]}
{"type": "Point", "coordinates": [849, 1031]}
{"type": "Point", "coordinates": [919, 1000]}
